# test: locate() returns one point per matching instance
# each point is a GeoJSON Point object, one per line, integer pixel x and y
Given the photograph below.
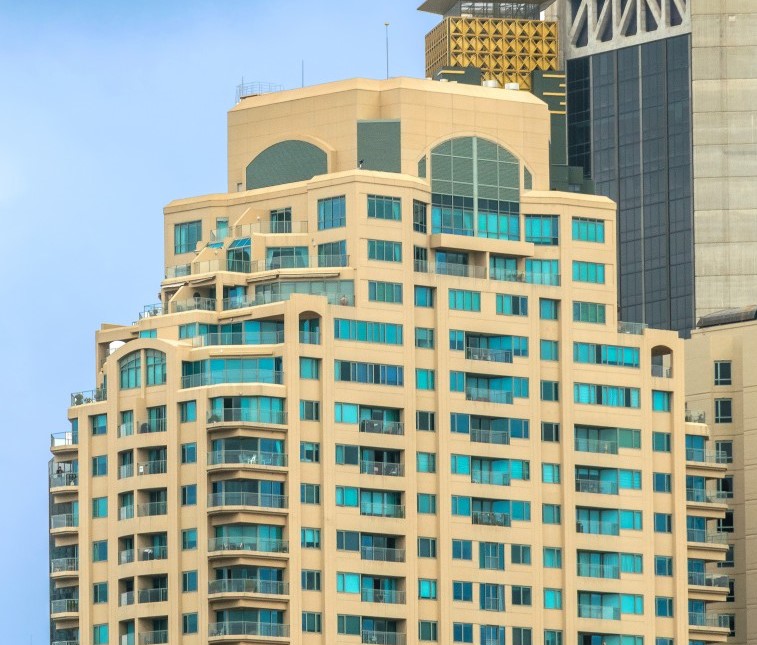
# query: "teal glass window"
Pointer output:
{"type": "Point", "coordinates": [424, 379]}
{"type": "Point", "coordinates": [424, 296]}
{"type": "Point", "coordinates": [457, 381]}
{"type": "Point", "coordinates": [310, 368]}
{"type": "Point", "coordinates": [661, 401]}
{"type": "Point", "coordinates": [189, 495]}
{"type": "Point", "coordinates": [310, 452]}
{"type": "Point", "coordinates": [281, 220]}
{"type": "Point", "coordinates": [543, 230]}
{"type": "Point", "coordinates": [550, 473]}
{"type": "Point", "coordinates": [424, 338]}
{"type": "Point", "coordinates": [663, 565]}
{"type": "Point", "coordinates": [550, 390]}
{"type": "Point", "coordinates": [189, 539]}
{"type": "Point", "coordinates": [311, 622]}
{"type": "Point", "coordinates": [332, 213]}
{"type": "Point", "coordinates": [663, 607]}
{"type": "Point", "coordinates": [100, 551]}
{"type": "Point", "coordinates": [426, 547]}
{"type": "Point", "coordinates": [368, 332]}
{"type": "Point", "coordinates": [380, 207]}
{"type": "Point", "coordinates": [345, 413]}
{"type": "Point", "coordinates": [589, 312]}
{"type": "Point", "coordinates": [462, 632]}
{"type": "Point", "coordinates": [189, 453]}
{"type": "Point", "coordinates": [130, 370]}
{"type": "Point", "coordinates": [426, 462]}
{"type": "Point", "coordinates": [286, 257]}
{"type": "Point", "coordinates": [661, 482]}
{"type": "Point", "coordinates": [606, 355]}
{"type": "Point", "coordinates": [588, 230]}
{"type": "Point", "coordinates": [99, 466]}
{"type": "Point", "coordinates": [389, 292]}
{"type": "Point", "coordinates": [463, 300]}
{"type": "Point", "coordinates": [186, 236]}
{"type": "Point", "coordinates": [100, 635]}
{"type": "Point", "coordinates": [148, 333]}
{"type": "Point", "coordinates": [543, 272]}
{"type": "Point", "coordinates": [99, 593]}
{"type": "Point", "coordinates": [100, 507]}
{"type": "Point", "coordinates": [508, 305]}
{"type": "Point", "coordinates": [548, 350]}
{"type": "Point", "coordinates": [347, 496]}
{"type": "Point", "coordinates": [333, 254]}
{"type": "Point", "coordinates": [373, 373]}
{"type": "Point", "coordinates": [188, 581]}
{"type": "Point", "coordinates": [310, 538]}
{"type": "Point", "coordinates": [661, 441]}
{"type": "Point", "coordinates": [548, 308]}
{"type": "Point", "coordinates": [384, 251]}
{"type": "Point", "coordinates": [591, 272]}
{"type": "Point", "coordinates": [189, 623]}
{"type": "Point", "coordinates": [612, 396]}
{"type": "Point", "coordinates": [427, 503]}
{"type": "Point", "coordinates": [187, 411]}
{"type": "Point", "coordinates": [553, 637]}
{"type": "Point", "coordinates": [310, 410]}
{"type": "Point", "coordinates": [348, 583]}
{"type": "Point", "coordinates": [551, 514]}
{"type": "Point", "coordinates": [461, 505]}
{"type": "Point", "coordinates": [462, 591]}
{"type": "Point", "coordinates": [420, 217]}
{"type": "Point", "coordinates": [156, 367]}
{"type": "Point", "coordinates": [520, 554]}
{"type": "Point", "coordinates": [462, 550]}
{"type": "Point", "coordinates": [428, 631]}
{"type": "Point", "coordinates": [553, 599]}
{"type": "Point", "coordinates": [310, 494]}
{"type": "Point", "coordinates": [552, 557]}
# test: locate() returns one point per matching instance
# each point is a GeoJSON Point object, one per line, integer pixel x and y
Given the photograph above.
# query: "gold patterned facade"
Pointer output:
{"type": "Point", "coordinates": [505, 50]}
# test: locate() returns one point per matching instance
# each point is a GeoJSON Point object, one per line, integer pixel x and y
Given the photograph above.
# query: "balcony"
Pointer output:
{"type": "Point", "coordinates": [490, 355]}
{"type": "Point", "coordinates": [126, 598]}
{"type": "Point", "coordinates": [383, 468]}
{"type": "Point", "coordinates": [126, 556]}
{"type": "Point", "coordinates": [596, 446]}
{"type": "Point", "coordinates": [150, 311]}
{"type": "Point", "coordinates": [89, 396]}
{"type": "Point", "coordinates": [383, 638]}
{"type": "Point", "coordinates": [239, 338]}
{"type": "Point", "coordinates": [497, 437]}
{"type": "Point", "coordinates": [596, 486]}
{"type": "Point", "coordinates": [259, 545]}
{"type": "Point", "coordinates": [386, 597]}
{"type": "Point", "coordinates": [382, 427]}
{"type": "Point", "coordinates": [193, 304]}
{"type": "Point", "coordinates": [636, 329]}
{"type": "Point", "coordinates": [264, 228]}
{"type": "Point", "coordinates": [259, 500]}
{"type": "Point", "coordinates": [343, 299]}
{"type": "Point", "coordinates": [63, 440]}
{"type": "Point", "coordinates": [153, 595]}
{"type": "Point", "coordinates": [455, 269]}
{"type": "Point", "coordinates": [153, 553]}
{"type": "Point", "coordinates": [245, 415]}
{"type": "Point", "coordinates": [125, 471]}
{"type": "Point", "coordinates": [64, 606]}
{"type": "Point", "coordinates": [660, 371]}
{"type": "Point", "coordinates": [490, 477]}
{"type": "Point", "coordinates": [65, 643]}
{"type": "Point", "coordinates": [590, 570]}
{"type": "Point", "coordinates": [382, 554]}
{"type": "Point", "coordinates": [383, 510]}
{"type": "Point", "coordinates": [271, 377]}
{"type": "Point", "coordinates": [153, 638]}
{"type": "Point", "coordinates": [154, 467]}
{"type": "Point", "coordinates": [597, 527]}
{"type": "Point", "coordinates": [152, 509]}
{"type": "Point", "coordinates": [485, 395]}
{"type": "Point", "coordinates": [598, 612]}
{"type": "Point", "coordinates": [244, 628]}
{"type": "Point", "coordinates": [702, 536]}
{"type": "Point", "coordinates": [152, 425]}
{"type": "Point", "coordinates": [702, 579]}
{"type": "Point", "coordinates": [528, 277]}
{"type": "Point", "coordinates": [716, 621]}
{"type": "Point", "coordinates": [310, 337]}
{"type": "Point", "coordinates": [703, 456]}
{"type": "Point", "coordinates": [126, 512]}
{"type": "Point", "coordinates": [487, 518]}
{"type": "Point", "coordinates": [125, 430]}
{"type": "Point", "coordinates": [59, 480]}
{"type": "Point", "coordinates": [701, 496]}
{"type": "Point", "coordinates": [247, 458]}
{"type": "Point", "coordinates": [64, 565]}
{"type": "Point", "coordinates": [248, 585]}
{"type": "Point", "coordinates": [696, 416]}
{"type": "Point", "coordinates": [64, 521]}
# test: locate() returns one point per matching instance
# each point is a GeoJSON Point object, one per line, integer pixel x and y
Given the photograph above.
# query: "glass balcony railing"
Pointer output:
{"type": "Point", "coordinates": [488, 518]}
{"type": "Point", "coordinates": [193, 304]}
{"type": "Point", "coordinates": [64, 479]}
{"type": "Point", "coordinates": [247, 458]}
{"type": "Point", "coordinates": [247, 415]}
{"type": "Point", "coordinates": [64, 520]}
{"type": "Point", "coordinates": [150, 311]}
{"type": "Point", "coordinates": [220, 377]}
{"type": "Point", "coordinates": [703, 536]}
{"type": "Point", "coordinates": [528, 277]}
{"type": "Point", "coordinates": [153, 638]}
{"type": "Point", "coordinates": [491, 355]}
{"type": "Point", "coordinates": [126, 512]}
{"type": "Point", "coordinates": [65, 643]}
{"type": "Point", "coordinates": [599, 612]}
{"type": "Point", "coordinates": [382, 554]}
{"type": "Point", "coordinates": [382, 427]}
{"type": "Point", "coordinates": [152, 425]}
{"type": "Point", "coordinates": [151, 509]}
{"type": "Point", "coordinates": [704, 456]}
{"type": "Point", "coordinates": [262, 545]}
{"type": "Point", "coordinates": [265, 228]}
{"type": "Point", "coordinates": [126, 556]}
{"type": "Point", "coordinates": [696, 416]}
{"type": "Point", "coordinates": [490, 477]}
{"type": "Point", "coordinates": [701, 496]}
{"type": "Point", "coordinates": [456, 269]}
{"type": "Point", "coordinates": [486, 395]}
{"type": "Point", "coordinates": [703, 579]}
{"type": "Point", "coordinates": [382, 638]}
{"type": "Point", "coordinates": [125, 470]}
{"type": "Point", "coordinates": [591, 570]}
{"type": "Point", "coordinates": [596, 486]}
{"type": "Point", "coordinates": [125, 430]}
{"type": "Point", "coordinates": [126, 598]}
{"type": "Point", "coordinates": [716, 621]}
{"type": "Point", "coordinates": [596, 446]}
{"type": "Point", "coordinates": [239, 338]}
{"type": "Point", "coordinates": [261, 500]}
{"type": "Point", "coordinates": [154, 467]}
{"type": "Point", "coordinates": [310, 337]}
{"type": "Point", "coordinates": [64, 565]}
{"type": "Point", "coordinates": [383, 510]}
{"type": "Point", "coordinates": [597, 527]}
{"type": "Point", "coordinates": [89, 396]}
{"type": "Point", "coordinates": [153, 595]}
{"type": "Point", "coordinates": [248, 585]}
{"type": "Point", "coordinates": [381, 468]}
{"type": "Point", "coordinates": [632, 328]}
{"type": "Point", "coordinates": [63, 439]}
{"type": "Point", "coordinates": [383, 596]}
{"type": "Point", "coordinates": [344, 299]}
{"type": "Point", "coordinates": [245, 628]}
{"type": "Point", "coordinates": [660, 371]}
{"type": "Point", "coordinates": [298, 262]}
{"type": "Point", "coordinates": [153, 553]}
{"type": "Point", "coordinates": [497, 437]}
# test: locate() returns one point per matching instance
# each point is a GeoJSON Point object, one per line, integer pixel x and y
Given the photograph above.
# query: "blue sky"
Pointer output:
{"type": "Point", "coordinates": [108, 110]}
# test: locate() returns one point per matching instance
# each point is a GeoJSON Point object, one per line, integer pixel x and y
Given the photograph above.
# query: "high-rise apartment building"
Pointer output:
{"type": "Point", "coordinates": [720, 387]}
{"type": "Point", "coordinates": [661, 116]}
{"type": "Point", "coordinates": [385, 398]}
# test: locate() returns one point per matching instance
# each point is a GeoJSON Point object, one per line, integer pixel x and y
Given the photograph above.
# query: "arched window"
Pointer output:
{"type": "Point", "coordinates": [130, 367]}
{"type": "Point", "coordinates": [156, 367]}
{"type": "Point", "coordinates": [475, 187]}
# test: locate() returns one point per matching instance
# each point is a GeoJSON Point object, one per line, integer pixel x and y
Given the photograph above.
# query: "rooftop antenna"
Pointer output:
{"type": "Point", "coordinates": [386, 27]}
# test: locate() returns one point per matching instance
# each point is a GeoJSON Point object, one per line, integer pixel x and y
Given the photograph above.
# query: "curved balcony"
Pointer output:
{"type": "Point", "coordinates": [248, 586]}
{"type": "Point", "coordinates": [125, 430]}
{"type": "Point", "coordinates": [64, 480]}
{"type": "Point", "coordinates": [257, 546]}
{"type": "Point", "coordinates": [382, 468]}
{"type": "Point", "coordinates": [151, 509]}
{"type": "Point", "coordinates": [59, 567]}
{"type": "Point", "coordinates": [153, 595]}
{"type": "Point", "coordinates": [249, 500]}
{"type": "Point", "coordinates": [64, 522]}
{"type": "Point", "coordinates": [239, 338]}
{"type": "Point", "coordinates": [155, 467]}
{"type": "Point", "coordinates": [125, 471]}
{"type": "Point", "coordinates": [64, 606]}
{"type": "Point", "coordinates": [153, 638]}
{"type": "Point", "coordinates": [245, 628]}
{"type": "Point", "coordinates": [596, 486]}
{"type": "Point", "coordinates": [126, 512]}
{"type": "Point", "coordinates": [153, 553]}
{"type": "Point", "coordinates": [126, 598]}
{"type": "Point", "coordinates": [487, 518]}
{"type": "Point", "coordinates": [382, 427]}
{"type": "Point", "coordinates": [244, 458]}
{"type": "Point", "coordinates": [247, 417]}
{"type": "Point", "coordinates": [382, 554]}
{"type": "Point", "coordinates": [63, 441]}
{"type": "Point", "coordinates": [89, 396]}
{"type": "Point", "coordinates": [233, 376]}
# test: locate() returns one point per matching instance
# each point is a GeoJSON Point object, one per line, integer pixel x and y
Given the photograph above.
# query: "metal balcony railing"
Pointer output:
{"type": "Point", "coordinates": [498, 437]}
{"type": "Point", "coordinates": [153, 553]}
{"type": "Point", "coordinates": [382, 468]}
{"type": "Point", "coordinates": [387, 597]}
{"type": "Point", "coordinates": [591, 570]}
{"type": "Point", "coordinates": [193, 304]}
{"type": "Point", "coordinates": [248, 585]}
{"type": "Point", "coordinates": [703, 536]}
{"type": "Point", "coordinates": [702, 496]}
{"type": "Point", "coordinates": [310, 337]}
{"type": "Point", "coordinates": [631, 328]}
{"type": "Point", "coordinates": [245, 628]}
{"type": "Point", "coordinates": [125, 430]}
{"type": "Point", "coordinates": [152, 508]}
{"type": "Point", "coordinates": [153, 467]}
{"type": "Point", "coordinates": [64, 520]}
{"type": "Point", "coordinates": [596, 486]}
{"type": "Point", "coordinates": [382, 638]}
{"type": "Point", "coordinates": [487, 395]}
{"type": "Point", "coordinates": [704, 456]}
{"type": "Point", "coordinates": [597, 527]}
{"type": "Point", "coordinates": [598, 612]}
{"type": "Point", "coordinates": [64, 606]}
{"type": "Point", "coordinates": [261, 500]}
{"type": "Point", "coordinates": [660, 371]}
{"type": "Point", "coordinates": [239, 338]}
{"type": "Point", "coordinates": [383, 510]}
{"type": "Point", "coordinates": [153, 595]}
{"type": "Point", "coordinates": [382, 554]}
{"type": "Point", "coordinates": [125, 470]}
{"type": "Point", "coordinates": [596, 446]}
{"type": "Point", "coordinates": [152, 425]}
{"type": "Point", "coordinates": [245, 415]}
{"type": "Point", "coordinates": [490, 477]}
{"type": "Point", "coordinates": [126, 512]}
{"type": "Point", "coordinates": [262, 545]}
{"type": "Point", "coordinates": [487, 518]}
{"type": "Point", "coordinates": [247, 458]}
{"type": "Point", "coordinates": [63, 439]}
{"type": "Point", "coordinates": [126, 556]}
{"type": "Point", "coordinates": [153, 638]}
{"type": "Point", "coordinates": [64, 479]}
{"type": "Point", "coordinates": [64, 565]}
{"type": "Point", "coordinates": [490, 355]}
{"type": "Point", "coordinates": [89, 396]}
{"type": "Point", "coordinates": [274, 377]}
{"type": "Point", "coordinates": [382, 427]}
{"type": "Point", "coordinates": [717, 621]}
{"type": "Point", "coordinates": [703, 579]}
{"type": "Point", "coordinates": [126, 598]}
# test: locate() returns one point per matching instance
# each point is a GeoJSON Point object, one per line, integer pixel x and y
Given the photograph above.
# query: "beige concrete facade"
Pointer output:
{"type": "Point", "coordinates": [706, 390]}
{"type": "Point", "coordinates": [169, 470]}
